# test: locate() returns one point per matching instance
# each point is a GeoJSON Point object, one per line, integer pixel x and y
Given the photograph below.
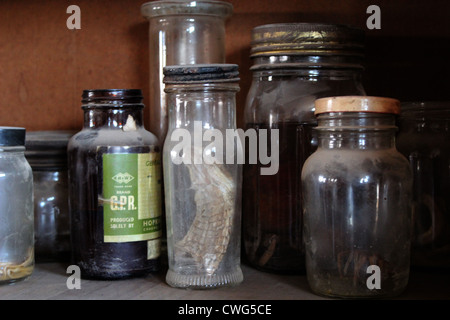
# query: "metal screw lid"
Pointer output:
{"type": "Point", "coordinates": [201, 73]}
{"type": "Point", "coordinates": [47, 148]}
{"type": "Point", "coordinates": [306, 39]}
{"type": "Point", "coordinates": [105, 98]}
{"type": "Point", "coordinates": [12, 136]}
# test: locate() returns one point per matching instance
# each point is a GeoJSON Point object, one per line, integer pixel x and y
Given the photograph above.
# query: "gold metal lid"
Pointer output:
{"type": "Point", "coordinates": [306, 39]}
{"type": "Point", "coordinates": [357, 104]}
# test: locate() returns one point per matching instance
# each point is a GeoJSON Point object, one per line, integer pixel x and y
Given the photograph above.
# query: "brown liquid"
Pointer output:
{"type": "Point", "coordinates": [272, 209]}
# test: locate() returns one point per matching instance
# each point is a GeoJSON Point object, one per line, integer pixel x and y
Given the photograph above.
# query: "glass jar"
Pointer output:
{"type": "Point", "coordinates": [293, 65]}
{"type": "Point", "coordinates": [16, 208]}
{"type": "Point", "coordinates": [46, 152]}
{"type": "Point", "coordinates": [181, 32]}
{"type": "Point", "coordinates": [357, 196]}
{"type": "Point", "coordinates": [202, 188]}
{"type": "Point", "coordinates": [424, 138]}
{"type": "Point", "coordinates": [114, 188]}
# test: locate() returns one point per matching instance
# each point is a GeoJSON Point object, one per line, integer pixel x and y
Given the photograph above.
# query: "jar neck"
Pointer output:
{"type": "Point", "coordinates": [349, 63]}
{"type": "Point", "coordinates": [212, 104]}
{"type": "Point", "coordinates": [356, 130]}
{"type": "Point", "coordinates": [312, 74]}
{"type": "Point", "coordinates": [112, 117]}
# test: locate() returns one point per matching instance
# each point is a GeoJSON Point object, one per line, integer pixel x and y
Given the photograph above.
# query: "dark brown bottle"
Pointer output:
{"type": "Point", "coordinates": [114, 188]}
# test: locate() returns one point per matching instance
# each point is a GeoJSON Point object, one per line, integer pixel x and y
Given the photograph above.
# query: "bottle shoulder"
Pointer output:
{"type": "Point", "coordinates": [93, 138]}
{"type": "Point", "coordinates": [352, 164]}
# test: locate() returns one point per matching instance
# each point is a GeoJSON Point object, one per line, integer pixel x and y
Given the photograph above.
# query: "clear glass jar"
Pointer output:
{"type": "Point", "coordinates": [114, 188]}
{"type": "Point", "coordinates": [46, 152]}
{"type": "Point", "coordinates": [293, 65]}
{"type": "Point", "coordinates": [424, 138]}
{"type": "Point", "coordinates": [203, 195]}
{"type": "Point", "coordinates": [181, 32]}
{"type": "Point", "coordinates": [357, 198]}
{"type": "Point", "coordinates": [16, 208]}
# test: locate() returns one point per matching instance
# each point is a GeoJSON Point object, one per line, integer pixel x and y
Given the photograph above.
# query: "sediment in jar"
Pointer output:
{"type": "Point", "coordinates": [11, 272]}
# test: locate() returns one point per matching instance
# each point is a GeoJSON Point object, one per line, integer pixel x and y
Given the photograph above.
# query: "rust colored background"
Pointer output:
{"type": "Point", "coordinates": [44, 66]}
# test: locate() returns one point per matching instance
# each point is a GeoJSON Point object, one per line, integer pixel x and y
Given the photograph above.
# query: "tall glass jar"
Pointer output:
{"type": "Point", "coordinates": [293, 65]}
{"type": "Point", "coordinates": [114, 188]}
{"type": "Point", "coordinates": [357, 197]}
{"type": "Point", "coordinates": [424, 138]}
{"type": "Point", "coordinates": [181, 32]}
{"type": "Point", "coordinates": [46, 152]}
{"type": "Point", "coordinates": [202, 183]}
{"type": "Point", "coordinates": [16, 208]}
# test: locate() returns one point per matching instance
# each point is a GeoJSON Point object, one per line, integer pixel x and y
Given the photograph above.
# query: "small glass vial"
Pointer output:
{"type": "Point", "coordinates": [114, 188]}
{"type": "Point", "coordinates": [16, 208]}
{"type": "Point", "coordinates": [357, 197]}
{"type": "Point", "coordinates": [293, 65]}
{"type": "Point", "coordinates": [181, 32]}
{"type": "Point", "coordinates": [202, 188]}
{"type": "Point", "coordinates": [46, 152]}
{"type": "Point", "coordinates": [424, 138]}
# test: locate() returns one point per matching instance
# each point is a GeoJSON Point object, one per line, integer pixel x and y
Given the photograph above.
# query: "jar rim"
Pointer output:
{"type": "Point", "coordinates": [179, 7]}
{"type": "Point", "coordinates": [424, 106]}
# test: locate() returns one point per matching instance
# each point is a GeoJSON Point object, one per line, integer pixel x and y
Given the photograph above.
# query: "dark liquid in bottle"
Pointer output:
{"type": "Point", "coordinates": [272, 206]}
{"type": "Point", "coordinates": [98, 259]}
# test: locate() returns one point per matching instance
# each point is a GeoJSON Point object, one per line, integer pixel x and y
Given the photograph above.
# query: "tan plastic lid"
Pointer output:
{"type": "Point", "coordinates": [357, 104]}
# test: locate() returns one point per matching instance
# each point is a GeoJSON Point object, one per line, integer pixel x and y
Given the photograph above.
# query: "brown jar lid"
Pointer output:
{"type": "Point", "coordinates": [357, 104]}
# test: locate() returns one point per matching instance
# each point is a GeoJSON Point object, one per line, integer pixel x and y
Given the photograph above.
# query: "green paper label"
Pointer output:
{"type": "Point", "coordinates": [131, 196]}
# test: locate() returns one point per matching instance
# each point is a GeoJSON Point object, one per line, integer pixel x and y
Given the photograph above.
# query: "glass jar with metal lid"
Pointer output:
{"type": "Point", "coordinates": [46, 151]}
{"type": "Point", "coordinates": [202, 177]}
{"type": "Point", "coordinates": [357, 198]}
{"type": "Point", "coordinates": [16, 208]}
{"type": "Point", "coordinates": [293, 65]}
{"type": "Point", "coordinates": [424, 138]}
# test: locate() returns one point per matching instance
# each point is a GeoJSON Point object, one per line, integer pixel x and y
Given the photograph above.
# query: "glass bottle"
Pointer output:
{"type": "Point", "coordinates": [114, 188]}
{"type": "Point", "coordinates": [424, 138]}
{"type": "Point", "coordinates": [181, 32]}
{"type": "Point", "coordinates": [16, 208]}
{"type": "Point", "coordinates": [202, 188]}
{"type": "Point", "coordinates": [357, 197]}
{"type": "Point", "coordinates": [293, 65]}
{"type": "Point", "coordinates": [46, 152]}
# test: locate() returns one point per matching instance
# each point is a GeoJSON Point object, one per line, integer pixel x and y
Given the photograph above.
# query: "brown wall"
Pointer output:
{"type": "Point", "coordinates": [44, 66]}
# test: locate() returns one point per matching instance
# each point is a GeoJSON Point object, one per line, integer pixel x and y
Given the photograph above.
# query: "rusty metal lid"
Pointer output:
{"type": "Point", "coordinates": [201, 73]}
{"type": "Point", "coordinates": [357, 104]}
{"type": "Point", "coordinates": [306, 39]}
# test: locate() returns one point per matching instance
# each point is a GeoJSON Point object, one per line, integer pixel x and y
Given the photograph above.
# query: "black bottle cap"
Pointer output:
{"type": "Point", "coordinates": [12, 136]}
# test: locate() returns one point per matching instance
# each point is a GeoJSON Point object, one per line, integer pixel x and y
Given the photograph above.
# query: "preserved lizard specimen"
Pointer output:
{"type": "Point", "coordinates": [209, 234]}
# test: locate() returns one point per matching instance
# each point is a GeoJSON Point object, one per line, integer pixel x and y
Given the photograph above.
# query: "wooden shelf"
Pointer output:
{"type": "Point", "coordinates": [48, 282]}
